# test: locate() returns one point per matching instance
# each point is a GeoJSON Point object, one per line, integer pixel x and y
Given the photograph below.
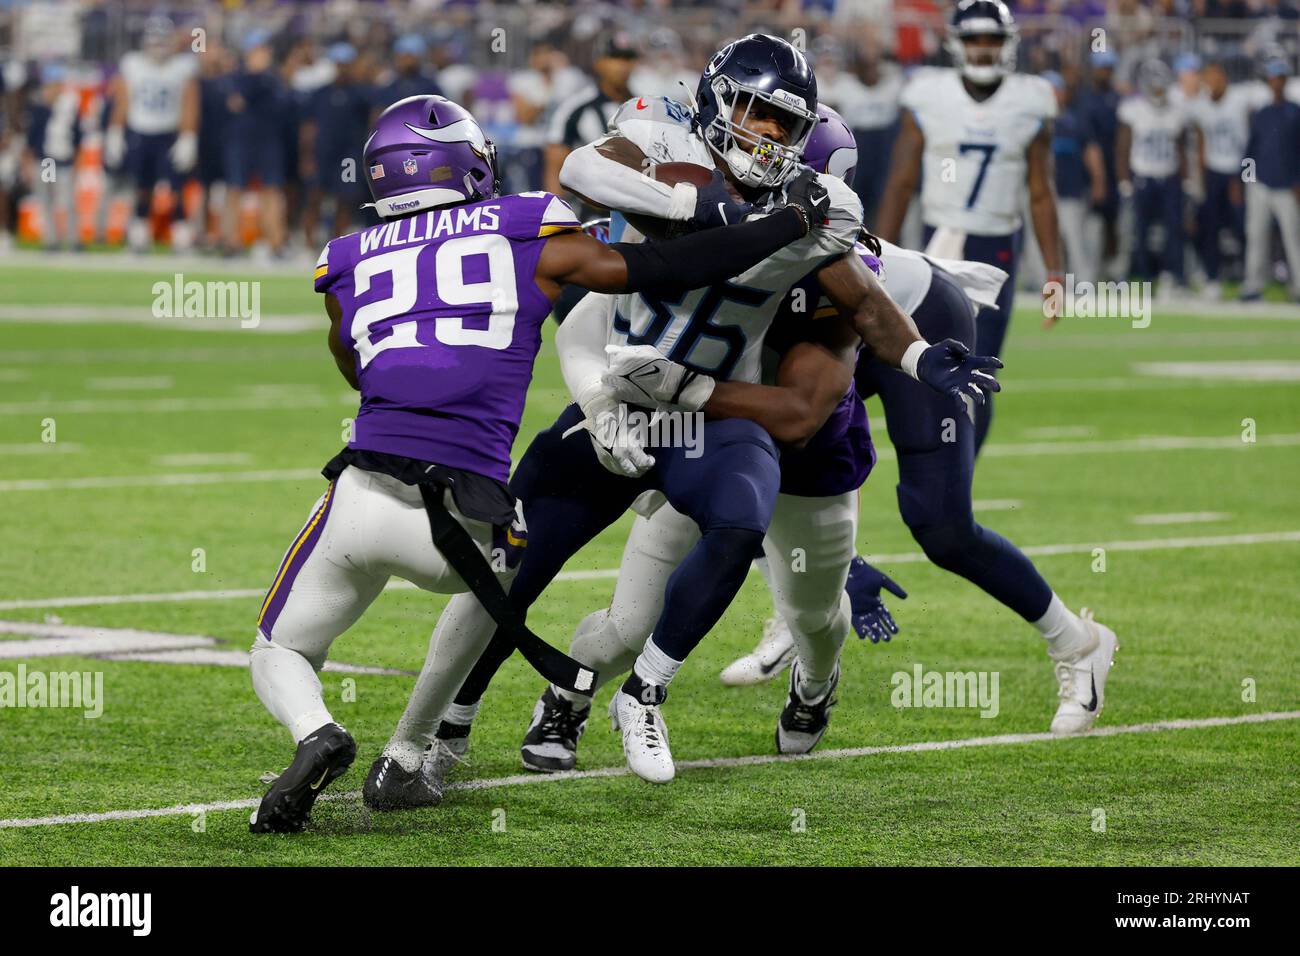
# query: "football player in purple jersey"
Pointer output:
{"type": "Point", "coordinates": [435, 317]}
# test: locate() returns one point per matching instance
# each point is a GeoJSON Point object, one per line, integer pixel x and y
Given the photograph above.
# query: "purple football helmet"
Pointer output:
{"type": "Point", "coordinates": [424, 152]}
{"type": "Point", "coordinates": [831, 147]}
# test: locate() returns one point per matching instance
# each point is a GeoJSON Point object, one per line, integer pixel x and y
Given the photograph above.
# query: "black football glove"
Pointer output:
{"type": "Point", "coordinates": [715, 206]}
{"type": "Point", "coordinates": [950, 367]}
{"type": "Point", "coordinates": [810, 196]}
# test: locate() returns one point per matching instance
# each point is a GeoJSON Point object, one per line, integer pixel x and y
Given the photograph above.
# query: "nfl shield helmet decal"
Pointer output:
{"type": "Point", "coordinates": [410, 167]}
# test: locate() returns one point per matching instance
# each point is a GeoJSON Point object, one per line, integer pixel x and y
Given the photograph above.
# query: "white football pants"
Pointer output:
{"type": "Point", "coordinates": [809, 545]}
{"type": "Point", "coordinates": [366, 528]}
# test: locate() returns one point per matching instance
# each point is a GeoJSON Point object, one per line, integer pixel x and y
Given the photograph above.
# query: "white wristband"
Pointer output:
{"type": "Point", "coordinates": [682, 205]}
{"type": "Point", "coordinates": [913, 355]}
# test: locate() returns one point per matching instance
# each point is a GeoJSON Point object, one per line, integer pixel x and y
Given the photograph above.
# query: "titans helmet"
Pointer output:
{"type": "Point", "coordinates": [974, 18]}
{"type": "Point", "coordinates": [424, 152]}
{"type": "Point", "coordinates": [1154, 79]}
{"type": "Point", "coordinates": [757, 74]}
{"type": "Point", "coordinates": [831, 148]}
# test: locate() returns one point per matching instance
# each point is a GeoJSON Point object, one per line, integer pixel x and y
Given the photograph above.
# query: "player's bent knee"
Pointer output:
{"type": "Point", "coordinates": [948, 544]}
{"type": "Point", "coordinates": [265, 649]}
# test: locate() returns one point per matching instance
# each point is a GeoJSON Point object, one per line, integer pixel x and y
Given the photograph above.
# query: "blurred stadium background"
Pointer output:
{"type": "Point", "coordinates": [284, 93]}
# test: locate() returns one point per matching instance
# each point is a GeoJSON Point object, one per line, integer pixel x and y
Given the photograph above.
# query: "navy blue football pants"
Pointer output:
{"type": "Point", "coordinates": [729, 490]}
{"type": "Point", "coordinates": [934, 439]}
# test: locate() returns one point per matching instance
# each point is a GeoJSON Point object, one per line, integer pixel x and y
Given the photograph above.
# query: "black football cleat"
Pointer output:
{"type": "Point", "coordinates": [803, 722]}
{"type": "Point", "coordinates": [321, 758]}
{"type": "Point", "coordinates": [391, 787]}
{"type": "Point", "coordinates": [551, 744]}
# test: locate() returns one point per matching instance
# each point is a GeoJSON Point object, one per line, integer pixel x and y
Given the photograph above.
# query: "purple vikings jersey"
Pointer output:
{"type": "Point", "coordinates": [840, 456]}
{"type": "Point", "coordinates": [443, 317]}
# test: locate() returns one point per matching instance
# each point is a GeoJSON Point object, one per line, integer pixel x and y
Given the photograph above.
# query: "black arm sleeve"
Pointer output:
{"type": "Point", "coordinates": [702, 258]}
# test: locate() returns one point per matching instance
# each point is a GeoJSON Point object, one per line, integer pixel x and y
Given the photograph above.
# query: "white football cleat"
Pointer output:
{"type": "Point", "coordinates": [772, 655]}
{"type": "Point", "coordinates": [645, 738]}
{"type": "Point", "coordinates": [1083, 681]}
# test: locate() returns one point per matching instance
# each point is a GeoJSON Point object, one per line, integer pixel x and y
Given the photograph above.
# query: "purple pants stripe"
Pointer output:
{"type": "Point", "coordinates": [294, 559]}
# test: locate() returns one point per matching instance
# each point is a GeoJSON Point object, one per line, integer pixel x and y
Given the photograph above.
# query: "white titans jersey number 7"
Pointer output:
{"type": "Point", "coordinates": [974, 164]}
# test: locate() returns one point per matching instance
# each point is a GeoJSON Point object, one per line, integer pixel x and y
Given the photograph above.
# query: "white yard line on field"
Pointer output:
{"type": "Point", "coordinates": [1181, 517]}
{"type": "Point", "coordinates": [995, 504]}
{"type": "Point", "coordinates": [145, 481]}
{"type": "Point", "coordinates": [758, 760]}
{"type": "Point", "coordinates": [120, 406]}
{"type": "Point", "coordinates": [131, 383]}
{"type": "Point", "coordinates": [905, 557]}
{"type": "Point", "coordinates": [34, 639]}
{"type": "Point", "coordinates": [92, 314]}
{"type": "Point", "coordinates": [40, 448]}
{"type": "Point", "coordinates": [1151, 443]}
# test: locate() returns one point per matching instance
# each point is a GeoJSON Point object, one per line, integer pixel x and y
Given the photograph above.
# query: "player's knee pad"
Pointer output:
{"type": "Point", "coordinates": [741, 481]}
{"type": "Point", "coordinates": [606, 628]}
{"type": "Point", "coordinates": [934, 502]}
{"type": "Point", "coordinates": [265, 650]}
{"type": "Point", "coordinates": [948, 546]}
{"type": "Point", "coordinates": [821, 624]}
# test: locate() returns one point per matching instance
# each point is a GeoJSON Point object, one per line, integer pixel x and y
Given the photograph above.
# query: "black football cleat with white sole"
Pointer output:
{"type": "Point", "coordinates": [803, 722]}
{"type": "Point", "coordinates": [551, 744]}
{"type": "Point", "coordinates": [321, 758]}
{"type": "Point", "coordinates": [389, 786]}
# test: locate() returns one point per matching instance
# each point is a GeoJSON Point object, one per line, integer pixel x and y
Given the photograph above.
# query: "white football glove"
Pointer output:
{"type": "Point", "coordinates": [184, 152]}
{"type": "Point", "coordinates": [640, 374]}
{"type": "Point", "coordinates": [617, 447]}
{"type": "Point", "coordinates": [114, 147]}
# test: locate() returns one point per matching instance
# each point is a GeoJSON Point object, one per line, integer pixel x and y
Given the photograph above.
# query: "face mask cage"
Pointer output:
{"type": "Point", "coordinates": [1003, 64]}
{"type": "Point", "coordinates": [757, 160]}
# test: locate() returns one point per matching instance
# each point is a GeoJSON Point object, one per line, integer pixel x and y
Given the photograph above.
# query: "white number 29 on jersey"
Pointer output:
{"type": "Point", "coordinates": [498, 289]}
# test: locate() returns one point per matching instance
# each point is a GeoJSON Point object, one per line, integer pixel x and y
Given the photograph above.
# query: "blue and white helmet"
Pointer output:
{"type": "Point", "coordinates": [757, 69]}
{"type": "Point", "coordinates": [973, 18]}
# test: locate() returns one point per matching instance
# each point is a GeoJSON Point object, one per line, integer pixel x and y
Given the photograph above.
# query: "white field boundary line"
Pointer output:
{"type": "Point", "coordinates": [905, 557]}
{"type": "Point", "coordinates": [714, 763]}
{"type": "Point", "coordinates": [1153, 443]}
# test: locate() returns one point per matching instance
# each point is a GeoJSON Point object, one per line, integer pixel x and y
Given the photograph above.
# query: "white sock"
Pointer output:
{"type": "Point", "coordinates": [654, 666]}
{"type": "Point", "coordinates": [462, 714]}
{"type": "Point", "coordinates": [598, 644]}
{"type": "Point", "coordinates": [288, 687]}
{"type": "Point", "coordinates": [1064, 631]}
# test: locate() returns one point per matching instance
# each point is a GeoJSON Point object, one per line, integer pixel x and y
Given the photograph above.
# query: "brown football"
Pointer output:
{"type": "Point", "coordinates": [672, 174]}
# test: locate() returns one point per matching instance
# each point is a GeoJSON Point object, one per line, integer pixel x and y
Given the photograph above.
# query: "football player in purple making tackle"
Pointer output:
{"type": "Point", "coordinates": [435, 317]}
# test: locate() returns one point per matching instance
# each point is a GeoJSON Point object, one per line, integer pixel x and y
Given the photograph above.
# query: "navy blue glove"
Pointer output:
{"type": "Point", "coordinates": [950, 367]}
{"type": "Point", "coordinates": [715, 206]}
{"type": "Point", "coordinates": [870, 616]}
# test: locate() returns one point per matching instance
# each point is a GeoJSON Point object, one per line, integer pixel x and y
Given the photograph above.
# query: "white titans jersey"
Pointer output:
{"type": "Point", "coordinates": [1154, 153]}
{"type": "Point", "coordinates": [719, 330]}
{"type": "Point", "coordinates": [153, 91]}
{"type": "Point", "coordinates": [974, 166]}
{"type": "Point", "coordinates": [1225, 124]}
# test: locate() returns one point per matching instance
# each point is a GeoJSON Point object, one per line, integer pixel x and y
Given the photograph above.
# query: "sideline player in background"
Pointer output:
{"type": "Point", "coordinates": [973, 136]}
{"type": "Point", "coordinates": [1151, 161]}
{"type": "Point", "coordinates": [1222, 119]}
{"type": "Point", "coordinates": [153, 127]}
{"type": "Point", "coordinates": [435, 318]}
